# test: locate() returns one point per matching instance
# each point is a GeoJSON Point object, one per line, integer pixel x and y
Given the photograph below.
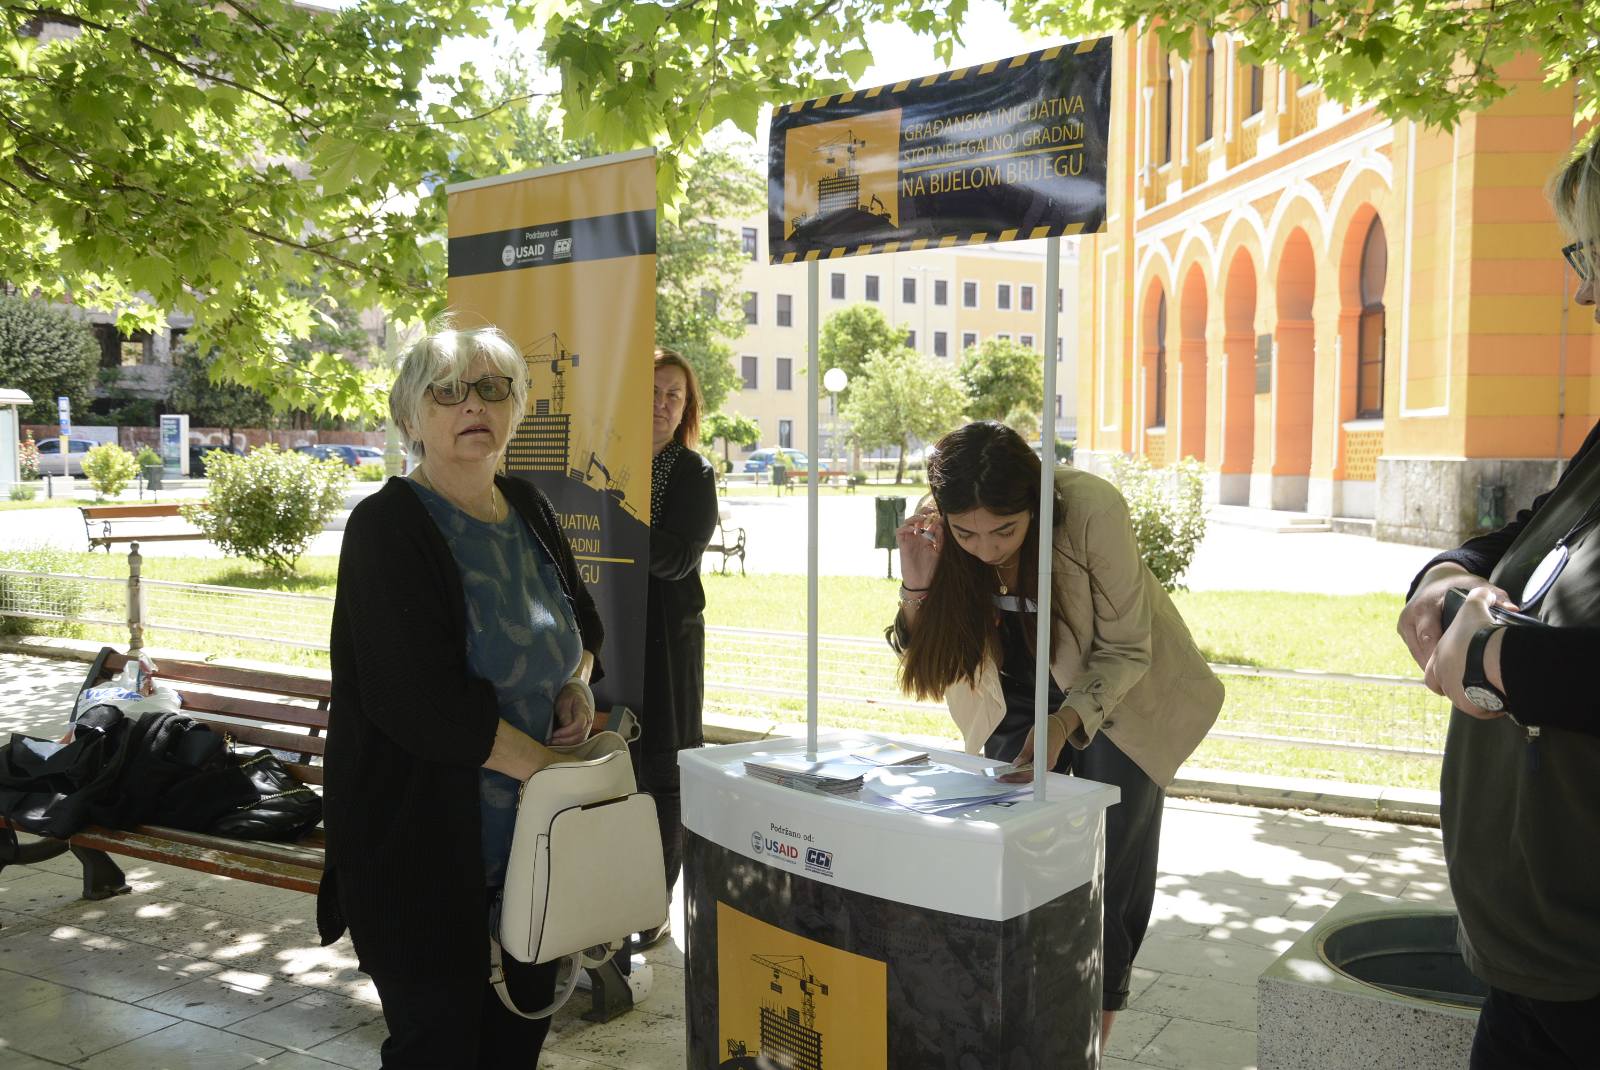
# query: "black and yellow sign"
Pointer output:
{"type": "Point", "coordinates": [564, 261]}
{"type": "Point", "coordinates": [1003, 151]}
{"type": "Point", "coordinates": [785, 1001]}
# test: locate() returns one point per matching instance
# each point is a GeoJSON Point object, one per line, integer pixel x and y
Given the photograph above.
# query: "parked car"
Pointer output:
{"type": "Point", "coordinates": [50, 455]}
{"type": "Point", "coordinates": [763, 459]}
{"type": "Point", "coordinates": [197, 458]}
{"type": "Point", "coordinates": [338, 451]}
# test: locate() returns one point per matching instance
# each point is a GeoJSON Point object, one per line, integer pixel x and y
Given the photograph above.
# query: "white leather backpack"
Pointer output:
{"type": "Point", "coordinates": [586, 869]}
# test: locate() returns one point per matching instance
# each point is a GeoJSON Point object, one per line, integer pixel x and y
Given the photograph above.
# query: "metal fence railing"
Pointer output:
{"type": "Point", "coordinates": [1373, 729]}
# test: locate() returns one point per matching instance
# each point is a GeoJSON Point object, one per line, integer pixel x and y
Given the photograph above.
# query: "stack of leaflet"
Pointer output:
{"type": "Point", "coordinates": [839, 775]}
{"type": "Point", "coordinates": [939, 789]}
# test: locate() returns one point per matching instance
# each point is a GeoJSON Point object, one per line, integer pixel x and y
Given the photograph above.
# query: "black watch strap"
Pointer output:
{"type": "Point", "coordinates": [1474, 680]}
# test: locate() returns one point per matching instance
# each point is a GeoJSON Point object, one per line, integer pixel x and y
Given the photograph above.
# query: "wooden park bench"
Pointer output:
{"type": "Point", "coordinates": [253, 708]}
{"type": "Point", "coordinates": [728, 541]}
{"type": "Point", "coordinates": [107, 525]}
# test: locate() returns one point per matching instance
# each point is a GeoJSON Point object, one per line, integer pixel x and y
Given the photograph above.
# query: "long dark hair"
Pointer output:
{"type": "Point", "coordinates": [984, 465]}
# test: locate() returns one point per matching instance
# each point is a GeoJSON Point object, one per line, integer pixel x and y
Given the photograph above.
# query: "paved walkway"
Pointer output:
{"type": "Point", "coordinates": [1231, 557]}
{"type": "Point", "coordinates": [191, 971]}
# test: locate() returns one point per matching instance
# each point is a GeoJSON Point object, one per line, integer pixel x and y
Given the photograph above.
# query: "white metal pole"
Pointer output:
{"type": "Point", "coordinates": [813, 388]}
{"type": "Point", "coordinates": [1047, 500]}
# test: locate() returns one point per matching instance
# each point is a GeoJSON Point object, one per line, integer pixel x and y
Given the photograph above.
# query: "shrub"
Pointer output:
{"type": "Point", "coordinates": [370, 473]}
{"type": "Point", "coordinates": [21, 492]}
{"type": "Point", "coordinates": [268, 505]}
{"type": "Point", "coordinates": [28, 457]}
{"type": "Point", "coordinates": [109, 468]}
{"type": "Point", "coordinates": [39, 592]}
{"type": "Point", "coordinates": [1167, 508]}
{"type": "Point", "coordinates": [147, 457]}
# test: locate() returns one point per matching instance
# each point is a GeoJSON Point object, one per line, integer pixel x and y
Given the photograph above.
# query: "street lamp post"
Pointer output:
{"type": "Point", "coordinates": [835, 380]}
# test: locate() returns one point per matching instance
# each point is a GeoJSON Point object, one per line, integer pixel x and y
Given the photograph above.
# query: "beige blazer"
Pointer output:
{"type": "Point", "coordinates": [1126, 662]}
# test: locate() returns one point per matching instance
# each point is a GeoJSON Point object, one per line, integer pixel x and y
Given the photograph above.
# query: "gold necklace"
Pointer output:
{"type": "Point", "coordinates": [1004, 589]}
{"type": "Point", "coordinates": [497, 501]}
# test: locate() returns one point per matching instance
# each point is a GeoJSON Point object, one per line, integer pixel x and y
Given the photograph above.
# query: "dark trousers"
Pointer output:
{"type": "Point", "coordinates": [444, 1019]}
{"type": "Point", "coordinates": [656, 770]}
{"type": "Point", "coordinates": [1133, 840]}
{"type": "Point", "coordinates": [1518, 1033]}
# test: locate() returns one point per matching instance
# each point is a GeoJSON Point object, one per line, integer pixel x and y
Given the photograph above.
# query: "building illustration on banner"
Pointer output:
{"type": "Point", "coordinates": [544, 441]}
{"type": "Point", "coordinates": [789, 1038]}
{"type": "Point", "coordinates": [825, 194]}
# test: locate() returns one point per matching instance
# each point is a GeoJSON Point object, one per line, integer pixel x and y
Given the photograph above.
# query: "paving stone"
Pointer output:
{"type": "Point", "coordinates": [358, 1048]}
{"type": "Point", "coordinates": [217, 1002]}
{"type": "Point", "coordinates": [184, 1046]}
{"type": "Point", "coordinates": [1231, 961]}
{"type": "Point", "coordinates": [1184, 1045]}
{"type": "Point", "coordinates": [1132, 1031]}
{"type": "Point", "coordinates": [129, 973]}
{"type": "Point", "coordinates": [307, 1022]}
{"type": "Point", "coordinates": [76, 1025]}
{"type": "Point", "coordinates": [1218, 1002]}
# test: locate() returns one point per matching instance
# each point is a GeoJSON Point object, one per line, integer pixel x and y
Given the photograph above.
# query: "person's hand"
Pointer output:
{"type": "Point", "coordinates": [574, 716]}
{"type": "Point", "coordinates": [1061, 724]}
{"type": "Point", "coordinates": [1419, 624]}
{"type": "Point", "coordinates": [1449, 661]}
{"type": "Point", "coordinates": [920, 539]}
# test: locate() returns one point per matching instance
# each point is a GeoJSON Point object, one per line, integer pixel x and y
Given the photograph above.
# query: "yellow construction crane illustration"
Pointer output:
{"type": "Point", "coordinates": [794, 968]}
{"type": "Point", "coordinates": [832, 150]}
{"type": "Point", "coordinates": [551, 350]}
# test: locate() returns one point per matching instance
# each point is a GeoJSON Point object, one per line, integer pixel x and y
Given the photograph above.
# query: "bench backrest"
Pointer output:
{"type": "Point", "coordinates": [255, 708]}
{"type": "Point", "coordinates": [130, 512]}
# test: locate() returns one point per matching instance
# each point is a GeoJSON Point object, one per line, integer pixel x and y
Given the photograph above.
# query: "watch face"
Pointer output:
{"type": "Point", "coordinates": [1485, 699]}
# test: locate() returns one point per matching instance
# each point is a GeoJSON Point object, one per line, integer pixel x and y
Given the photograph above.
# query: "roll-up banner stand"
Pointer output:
{"type": "Point", "coordinates": [563, 260]}
{"type": "Point", "coordinates": [824, 930]}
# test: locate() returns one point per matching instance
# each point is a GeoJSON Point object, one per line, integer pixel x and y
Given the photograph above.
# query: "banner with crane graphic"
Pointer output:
{"type": "Point", "coordinates": [1002, 151]}
{"type": "Point", "coordinates": [563, 260]}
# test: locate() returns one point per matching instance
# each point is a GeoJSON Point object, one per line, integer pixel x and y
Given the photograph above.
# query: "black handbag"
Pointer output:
{"type": "Point", "coordinates": [284, 808]}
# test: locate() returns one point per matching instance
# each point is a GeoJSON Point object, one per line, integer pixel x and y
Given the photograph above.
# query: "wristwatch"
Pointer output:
{"type": "Point", "coordinates": [1474, 681]}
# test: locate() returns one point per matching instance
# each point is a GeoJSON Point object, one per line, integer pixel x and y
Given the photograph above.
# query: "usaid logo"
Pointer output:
{"type": "Point", "coordinates": [563, 247]}
{"type": "Point", "coordinates": [819, 861]}
{"type": "Point", "coordinates": [766, 845]}
{"type": "Point", "coordinates": [508, 255]}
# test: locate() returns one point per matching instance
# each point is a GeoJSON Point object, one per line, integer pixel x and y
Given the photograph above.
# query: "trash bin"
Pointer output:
{"type": "Point", "coordinates": [1491, 506]}
{"type": "Point", "coordinates": [780, 476]}
{"type": "Point", "coordinates": [890, 513]}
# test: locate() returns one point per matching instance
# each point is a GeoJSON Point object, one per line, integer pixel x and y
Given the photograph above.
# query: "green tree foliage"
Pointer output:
{"type": "Point", "coordinates": [852, 335]}
{"type": "Point", "coordinates": [1428, 60]}
{"type": "Point", "coordinates": [209, 158]}
{"type": "Point", "coordinates": [902, 395]}
{"type": "Point", "coordinates": [46, 353]}
{"type": "Point", "coordinates": [210, 401]}
{"type": "Point", "coordinates": [1003, 381]}
{"type": "Point", "coordinates": [1167, 508]}
{"type": "Point", "coordinates": [268, 505]}
{"type": "Point", "coordinates": [733, 429]}
{"type": "Point", "coordinates": [109, 468]}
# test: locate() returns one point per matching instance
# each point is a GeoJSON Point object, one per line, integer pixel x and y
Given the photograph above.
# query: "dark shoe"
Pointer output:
{"type": "Point", "coordinates": [652, 937]}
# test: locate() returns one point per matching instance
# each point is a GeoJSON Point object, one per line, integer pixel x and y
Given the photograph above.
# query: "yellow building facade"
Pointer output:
{"type": "Point", "coordinates": [1335, 313]}
{"type": "Point", "coordinates": [949, 300]}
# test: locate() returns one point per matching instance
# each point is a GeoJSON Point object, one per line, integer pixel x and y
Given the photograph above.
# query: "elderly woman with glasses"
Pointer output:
{"type": "Point", "coordinates": [1519, 809]}
{"type": "Point", "coordinates": [462, 649]}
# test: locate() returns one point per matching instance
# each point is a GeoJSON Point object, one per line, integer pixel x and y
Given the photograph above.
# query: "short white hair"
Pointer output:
{"type": "Point", "coordinates": [443, 357]}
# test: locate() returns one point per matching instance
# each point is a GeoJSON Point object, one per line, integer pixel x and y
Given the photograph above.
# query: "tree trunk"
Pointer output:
{"type": "Point", "coordinates": [899, 472]}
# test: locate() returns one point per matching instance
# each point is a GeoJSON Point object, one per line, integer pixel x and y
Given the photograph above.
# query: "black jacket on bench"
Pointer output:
{"type": "Point", "coordinates": [408, 730]}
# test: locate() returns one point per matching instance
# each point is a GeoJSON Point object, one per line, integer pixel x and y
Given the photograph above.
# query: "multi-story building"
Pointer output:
{"type": "Point", "coordinates": [1334, 312]}
{"type": "Point", "coordinates": [948, 301]}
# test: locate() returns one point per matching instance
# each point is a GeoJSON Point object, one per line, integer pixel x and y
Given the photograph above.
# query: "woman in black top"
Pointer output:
{"type": "Point", "coordinates": [683, 513]}
{"type": "Point", "coordinates": [463, 642]}
{"type": "Point", "coordinates": [1518, 805]}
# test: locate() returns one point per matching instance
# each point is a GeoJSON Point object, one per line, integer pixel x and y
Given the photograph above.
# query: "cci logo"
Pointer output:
{"type": "Point", "coordinates": [819, 861]}
{"type": "Point", "coordinates": [563, 247]}
{"type": "Point", "coordinates": [508, 255]}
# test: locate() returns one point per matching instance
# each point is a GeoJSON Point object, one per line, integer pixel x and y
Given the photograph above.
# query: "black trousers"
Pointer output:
{"type": "Point", "coordinates": [1133, 841]}
{"type": "Point", "coordinates": [1518, 1033]}
{"type": "Point", "coordinates": [445, 1019]}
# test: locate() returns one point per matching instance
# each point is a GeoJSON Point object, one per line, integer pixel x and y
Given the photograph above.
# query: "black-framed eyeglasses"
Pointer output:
{"type": "Point", "coordinates": [489, 388]}
{"type": "Point", "coordinates": [1580, 255]}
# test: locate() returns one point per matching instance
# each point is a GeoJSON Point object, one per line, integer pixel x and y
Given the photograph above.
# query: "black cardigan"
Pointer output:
{"type": "Point", "coordinates": [1548, 674]}
{"type": "Point", "coordinates": [408, 730]}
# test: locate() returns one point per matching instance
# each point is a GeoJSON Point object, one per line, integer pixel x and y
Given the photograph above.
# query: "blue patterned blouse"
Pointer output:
{"type": "Point", "coordinates": [522, 637]}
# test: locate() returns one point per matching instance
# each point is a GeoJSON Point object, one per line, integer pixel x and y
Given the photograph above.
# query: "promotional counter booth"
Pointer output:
{"type": "Point", "coordinates": [832, 931]}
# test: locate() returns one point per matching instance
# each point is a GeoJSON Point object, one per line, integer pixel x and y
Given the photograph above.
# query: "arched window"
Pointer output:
{"type": "Point", "coordinates": [1166, 114]}
{"type": "Point", "coordinates": [1159, 414]}
{"type": "Point", "coordinates": [1369, 359]}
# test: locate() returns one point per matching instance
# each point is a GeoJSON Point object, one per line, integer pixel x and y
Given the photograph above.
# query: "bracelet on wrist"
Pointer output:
{"type": "Point", "coordinates": [913, 602]}
{"type": "Point", "coordinates": [914, 590]}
